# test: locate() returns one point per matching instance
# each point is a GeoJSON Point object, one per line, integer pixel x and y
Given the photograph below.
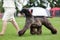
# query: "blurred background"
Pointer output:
{"type": "Point", "coordinates": [52, 5]}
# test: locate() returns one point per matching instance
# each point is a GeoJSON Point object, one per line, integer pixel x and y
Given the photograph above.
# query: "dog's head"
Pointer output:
{"type": "Point", "coordinates": [27, 12]}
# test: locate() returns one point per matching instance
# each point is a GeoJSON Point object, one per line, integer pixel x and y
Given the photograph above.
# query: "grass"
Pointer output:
{"type": "Point", "coordinates": [11, 34]}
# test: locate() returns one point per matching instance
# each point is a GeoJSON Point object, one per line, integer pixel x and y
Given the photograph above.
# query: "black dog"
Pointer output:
{"type": "Point", "coordinates": [30, 23]}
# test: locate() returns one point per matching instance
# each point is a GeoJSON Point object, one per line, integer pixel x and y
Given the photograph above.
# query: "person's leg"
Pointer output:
{"type": "Point", "coordinates": [4, 25]}
{"type": "Point", "coordinates": [15, 24]}
{"type": "Point", "coordinates": [12, 19]}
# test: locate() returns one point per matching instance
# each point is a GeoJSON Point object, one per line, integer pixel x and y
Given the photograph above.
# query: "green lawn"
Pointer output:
{"type": "Point", "coordinates": [11, 34]}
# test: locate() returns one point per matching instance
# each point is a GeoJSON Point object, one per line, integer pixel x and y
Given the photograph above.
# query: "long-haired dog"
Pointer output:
{"type": "Point", "coordinates": [35, 24]}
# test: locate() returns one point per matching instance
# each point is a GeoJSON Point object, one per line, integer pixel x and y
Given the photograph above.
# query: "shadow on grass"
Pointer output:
{"type": "Point", "coordinates": [45, 34]}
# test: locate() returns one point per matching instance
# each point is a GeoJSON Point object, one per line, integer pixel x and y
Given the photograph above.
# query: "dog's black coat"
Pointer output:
{"type": "Point", "coordinates": [30, 23]}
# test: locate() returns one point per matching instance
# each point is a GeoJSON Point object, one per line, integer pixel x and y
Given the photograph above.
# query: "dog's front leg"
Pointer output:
{"type": "Point", "coordinates": [27, 25]}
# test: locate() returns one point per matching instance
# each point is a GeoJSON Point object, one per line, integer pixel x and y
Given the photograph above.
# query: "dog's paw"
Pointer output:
{"type": "Point", "coordinates": [20, 33]}
{"type": "Point", "coordinates": [54, 31]}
